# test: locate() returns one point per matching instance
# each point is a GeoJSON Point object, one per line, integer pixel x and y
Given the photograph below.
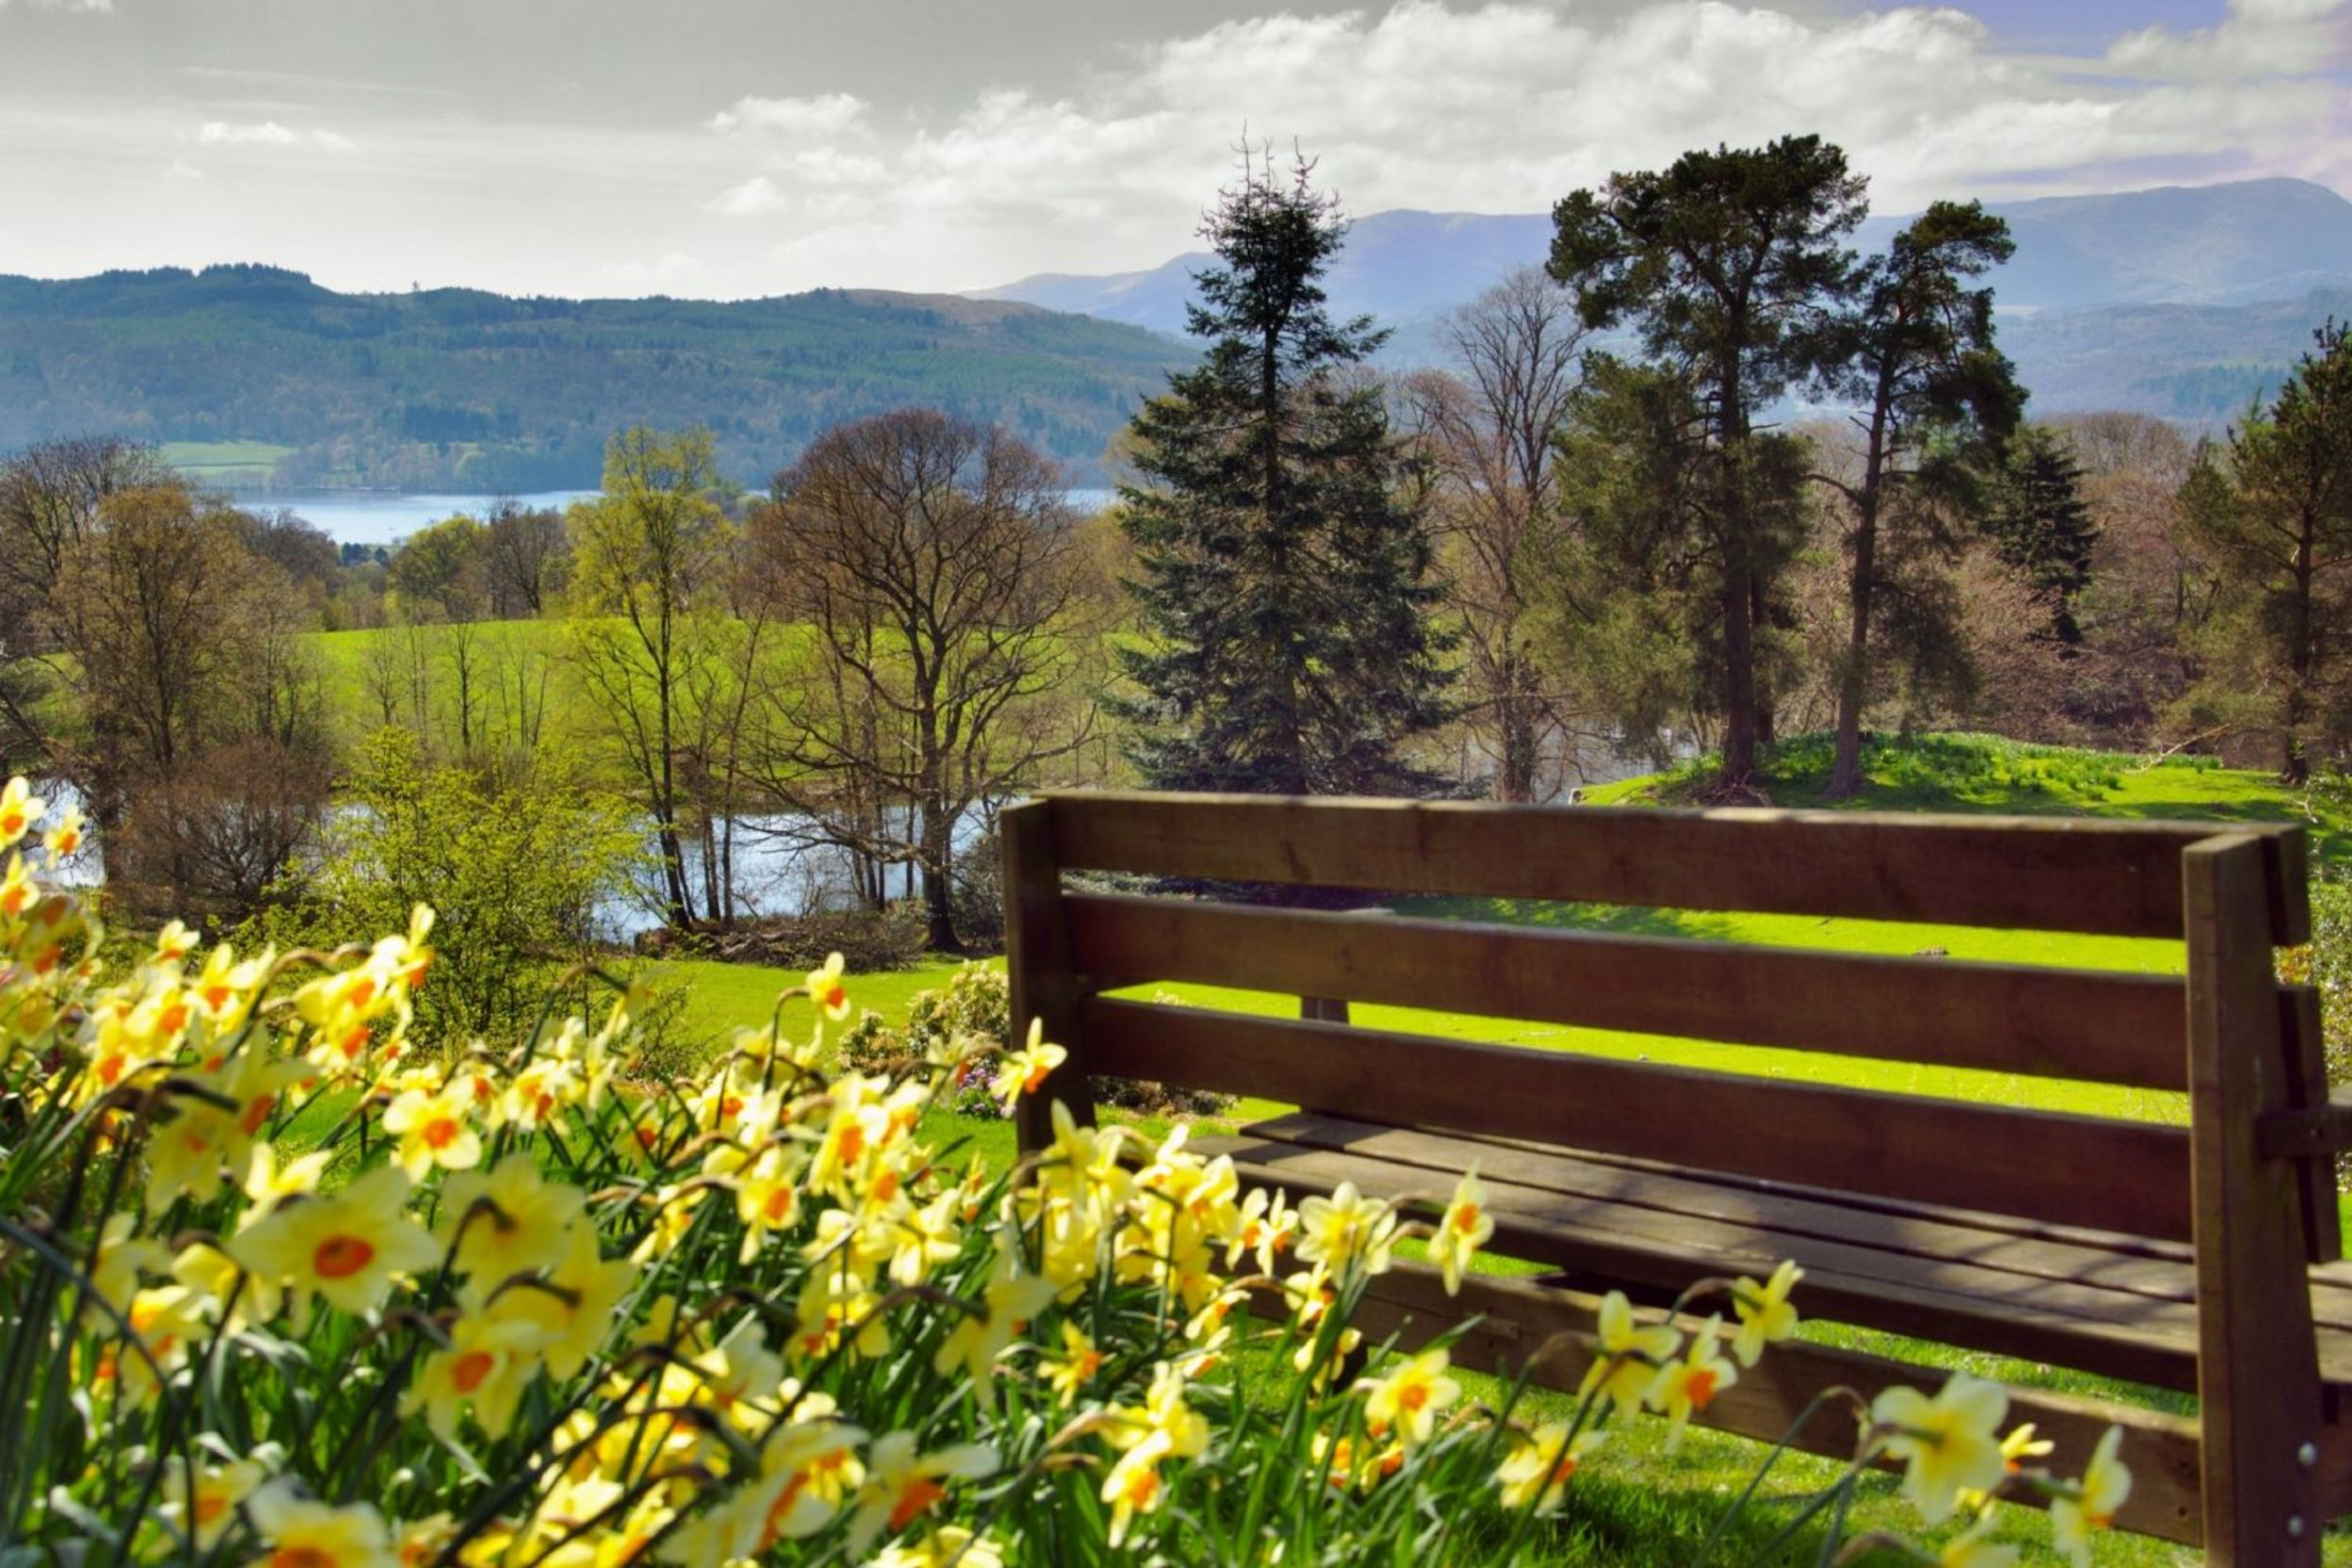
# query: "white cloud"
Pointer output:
{"type": "Point", "coordinates": [181, 169]}
{"type": "Point", "coordinates": [67, 5]}
{"type": "Point", "coordinates": [261, 133]}
{"type": "Point", "coordinates": [828, 114]}
{"type": "Point", "coordinates": [2257, 38]}
{"type": "Point", "coordinates": [753, 197]}
{"type": "Point", "coordinates": [1509, 104]}
{"type": "Point", "coordinates": [267, 134]}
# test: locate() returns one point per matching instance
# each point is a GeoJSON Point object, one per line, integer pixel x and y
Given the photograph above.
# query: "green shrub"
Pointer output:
{"type": "Point", "coordinates": [516, 864]}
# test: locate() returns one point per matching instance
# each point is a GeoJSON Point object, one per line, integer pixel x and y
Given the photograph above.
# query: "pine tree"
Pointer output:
{"type": "Point", "coordinates": [2041, 527]}
{"type": "Point", "coordinates": [1284, 570]}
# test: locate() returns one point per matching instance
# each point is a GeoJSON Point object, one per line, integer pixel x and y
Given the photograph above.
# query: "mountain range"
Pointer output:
{"type": "Point", "coordinates": [2181, 301]}
{"type": "Point", "coordinates": [458, 389]}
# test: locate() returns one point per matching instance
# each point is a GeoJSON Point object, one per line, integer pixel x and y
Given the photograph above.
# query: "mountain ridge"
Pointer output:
{"type": "Point", "coordinates": [464, 388]}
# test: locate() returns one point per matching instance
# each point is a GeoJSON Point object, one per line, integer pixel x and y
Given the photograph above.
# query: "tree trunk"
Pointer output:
{"type": "Point", "coordinates": [938, 880]}
{"type": "Point", "coordinates": [1740, 707]}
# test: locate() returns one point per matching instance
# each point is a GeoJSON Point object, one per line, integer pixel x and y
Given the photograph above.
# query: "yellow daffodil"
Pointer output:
{"type": "Point", "coordinates": [345, 1246]}
{"type": "Point", "coordinates": [20, 808]}
{"type": "Point", "coordinates": [301, 1533]}
{"type": "Point", "coordinates": [1766, 1318]}
{"type": "Point", "coordinates": [2106, 1486]}
{"type": "Point", "coordinates": [1026, 1070]}
{"type": "Point", "coordinates": [825, 989]}
{"type": "Point", "coordinates": [489, 1360]}
{"type": "Point", "coordinates": [165, 1322]}
{"type": "Point", "coordinates": [1265, 1228]}
{"type": "Point", "coordinates": [1462, 1230]}
{"type": "Point", "coordinates": [576, 1305]}
{"type": "Point", "coordinates": [903, 1484]}
{"type": "Point", "coordinates": [1410, 1398]}
{"type": "Point", "coordinates": [223, 1285]}
{"type": "Point", "coordinates": [1133, 1486]}
{"type": "Point", "coordinates": [1348, 1463]}
{"type": "Point", "coordinates": [767, 1196]}
{"type": "Point", "coordinates": [943, 1546]}
{"type": "Point", "coordinates": [1627, 1358]}
{"type": "Point", "coordinates": [1950, 1442]}
{"type": "Point", "coordinates": [1975, 1548]}
{"type": "Point", "coordinates": [1536, 1473]}
{"type": "Point", "coordinates": [508, 1219]}
{"type": "Point", "coordinates": [206, 1516]}
{"type": "Point", "coordinates": [1345, 1230]}
{"type": "Point", "coordinates": [1010, 1298]}
{"type": "Point", "coordinates": [2018, 1445]}
{"type": "Point", "coordinates": [1074, 1368]}
{"type": "Point", "coordinates": [122, 1255]}
{"type": "Point", "coordinates": [1688, 1385]}
{"type": "Point", "coordinates": [64, 838]}
{"type": "Point", "coordinates": [1164, 1418]}
{"type": "Point", "coordinates": [435, 1130]}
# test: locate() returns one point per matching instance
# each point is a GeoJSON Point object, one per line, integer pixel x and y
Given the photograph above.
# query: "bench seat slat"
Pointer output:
{"type": "Point", "coordinates": [2113, 1332]}
{"type": "Point", "coordinates": [2109, 877]}
{"type": "Point", "coordinates": [2011, 1018]}
{"type": "Point", "coordinates": [2079, 1258]}
{"type": "Point", "coordinates": [2073, 1170]}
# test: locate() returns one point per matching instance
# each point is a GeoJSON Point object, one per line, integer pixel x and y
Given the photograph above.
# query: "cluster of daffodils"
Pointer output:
{"type": "Point", "coordinates": [288, 1285]}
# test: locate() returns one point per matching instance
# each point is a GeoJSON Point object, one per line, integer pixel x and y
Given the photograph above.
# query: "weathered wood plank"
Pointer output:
{"type": "Point", "coordinates": [1043, 986]}
{"type": "Point", "coordinates": [2258, 1386]}
{"type": "Point", "coordinates": [2072, 1169]}
{"type": "Point", "coordinates": [2011, 1018]}
{"type": "Point", "coordinates": [2306, 1086]}
{"type": "Point", "coordinates": [2115, 877]}
{"type": "Point", "coordinates": [1518, 1320]}
{"type": "Point", "coordinates": [2113, 1334]}
{"type": "Point", "coordinates": [1952, 1236]}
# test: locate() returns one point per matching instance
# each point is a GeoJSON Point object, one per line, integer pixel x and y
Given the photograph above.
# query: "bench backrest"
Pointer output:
{"type": "Point", "coordinates": [2116, 877]}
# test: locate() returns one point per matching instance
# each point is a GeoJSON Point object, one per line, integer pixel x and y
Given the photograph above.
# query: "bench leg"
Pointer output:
{"type": "Point", "coordinates": [2257, 1370]}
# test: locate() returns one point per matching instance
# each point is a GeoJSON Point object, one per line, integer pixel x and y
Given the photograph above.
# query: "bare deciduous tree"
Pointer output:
{"type": "Point", "coordinates": [1488, 428]}
{"type": "Point", "coordinates": [937, 566]}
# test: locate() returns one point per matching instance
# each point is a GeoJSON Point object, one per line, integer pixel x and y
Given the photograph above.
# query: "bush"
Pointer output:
{"type": "Point", "coordinates": [280, 1290]}
{"type": "Point", "coordinates": [515, 864]}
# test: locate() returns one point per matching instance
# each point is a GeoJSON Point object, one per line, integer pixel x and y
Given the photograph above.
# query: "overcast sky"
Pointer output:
{"type": "Point", "coordinates": [745, 147]}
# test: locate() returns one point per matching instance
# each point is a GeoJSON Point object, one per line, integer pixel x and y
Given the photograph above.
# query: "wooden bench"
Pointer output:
{"type": "Point", "coordinates": [2197, 1259]}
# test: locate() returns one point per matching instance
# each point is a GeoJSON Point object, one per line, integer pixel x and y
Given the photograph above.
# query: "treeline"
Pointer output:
{"type": "Point", "coordinates": [1595, 539]}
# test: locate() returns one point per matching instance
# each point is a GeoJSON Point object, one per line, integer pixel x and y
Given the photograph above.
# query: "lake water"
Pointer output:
{"type": "Point", "coordinates": [385, 517]}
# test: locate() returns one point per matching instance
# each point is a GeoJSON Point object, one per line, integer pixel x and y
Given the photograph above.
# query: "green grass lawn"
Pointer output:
{"type": "Point", "coordinates": [212, 461]}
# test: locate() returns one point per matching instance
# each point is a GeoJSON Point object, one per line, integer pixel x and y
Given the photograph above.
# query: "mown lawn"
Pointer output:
{"type": "Point", "coordinates": [1642, 1505]}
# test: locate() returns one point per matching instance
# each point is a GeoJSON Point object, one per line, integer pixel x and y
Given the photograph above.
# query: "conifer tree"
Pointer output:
{"type": "Point", "coordinates": [2041, 527]}
{"type": "Point", "coordinates": [1284, 570]}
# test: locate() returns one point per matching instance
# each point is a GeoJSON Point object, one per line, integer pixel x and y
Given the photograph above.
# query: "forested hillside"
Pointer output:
{"type": "Point", "coordinates": [457, 387]}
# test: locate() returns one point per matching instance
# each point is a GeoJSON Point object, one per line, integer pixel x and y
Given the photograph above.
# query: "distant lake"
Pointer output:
{"type": "Point", "coordinates": [380, 517]}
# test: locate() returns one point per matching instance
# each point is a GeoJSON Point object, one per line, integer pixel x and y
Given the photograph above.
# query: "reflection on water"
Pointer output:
{"type": "Point", "coordinates": [781, 867]}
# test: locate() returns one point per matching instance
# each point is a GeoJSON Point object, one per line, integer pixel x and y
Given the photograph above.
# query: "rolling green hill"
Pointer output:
{"type": "Point", "coordinates": [457, 388]}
